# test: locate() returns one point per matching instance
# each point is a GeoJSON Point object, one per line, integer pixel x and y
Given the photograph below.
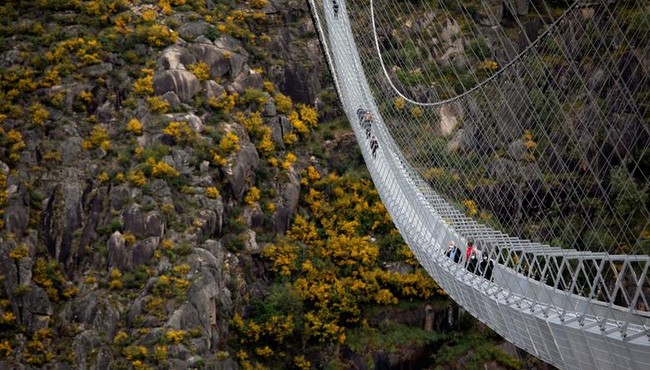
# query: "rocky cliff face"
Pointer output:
{"type": "Point", "coordinates": [122, 229]}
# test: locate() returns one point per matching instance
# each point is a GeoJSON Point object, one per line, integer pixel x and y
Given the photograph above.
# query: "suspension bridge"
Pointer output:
{"type": "Point", "coordinates": [523, 127]}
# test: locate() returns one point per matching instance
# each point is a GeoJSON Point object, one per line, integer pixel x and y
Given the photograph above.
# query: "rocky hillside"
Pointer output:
{"type": "Point", "coordinates": [167, 172]}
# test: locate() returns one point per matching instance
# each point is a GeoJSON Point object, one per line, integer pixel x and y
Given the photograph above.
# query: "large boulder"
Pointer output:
{"type": "Point", "coordinates": [175, 57]}
{"type": "Point", "coordinates": [133, 217]}
{"type": "Point", "coordinates": [287, 205]}
{"type": "Point", "coordinates": [143, 251]}
{"type": "Point", "coordinates": [118, 256]}
{"type": "Point", "coordinates": [206, 296]}
{"type": "Point", "coordinates": [490, 13]}
{"type": "Point", "coordinates": [16, 213]}
{"type": "Point", "coordinates": [93, 312]}
{"type": "Point", "coordinates": [182, 82]}
{"type": "Point", "coordinates": [250, 80]}
{"type": "Point", "coordinates": [63, 214]}
{"type": "Point", "coordinates": [450, 117]}
{"type": "Point", "coordinates": [216, 58]}
{"type": "Point", "coordinates": [212, 88]}
{"type": "Point", "coordinates": [242, 173]}
{"type": "Point", "coordinates": [192, 30]}
{"type": "Point", "coordinates": [154, 224]}
{"type": "Point", "coordinates": [517, 7]}
{"type": "Point", "coordinates": [83, 346]}
{"type": "Point", "coordinates": [35, 308]}
{"type": "Point", "coordinates": [299, 77]}
{"type": "Point", "coordinates": [280, 126]}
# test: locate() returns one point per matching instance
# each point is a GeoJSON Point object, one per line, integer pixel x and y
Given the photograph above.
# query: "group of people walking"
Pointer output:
{"type": "Point", "coordinates": [366, 122]}
{"type": "Point", "coordinates": [471, 259]}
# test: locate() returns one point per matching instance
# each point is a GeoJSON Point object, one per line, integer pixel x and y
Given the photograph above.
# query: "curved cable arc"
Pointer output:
{"type": "Point", "coordinates": [478, 86]}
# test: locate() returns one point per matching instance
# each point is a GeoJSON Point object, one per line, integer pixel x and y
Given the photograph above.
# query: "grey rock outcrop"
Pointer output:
{"type": "Point", "coordinates": [242, 175]}
{"type": "Point", "coordinates": [175, 57]}
{"type": "Point", "coordinates": [212, 88]}
{"type": "Point", "coordinates": [118, 256]}
{"type": "Point", "coordinates": [182, 82]}
{"type": "Point", "coordinates": [518, 7]}
{"type": "Point", "coordinates": [287, 205]}
{"type": "Point", "coordinates": [280, 126]}
{"type": "Point", "coordinates": [63, 214]}
{"type": "Point", "coordinates": [490, 13]}
{"type": "Point", "coordinates": [192, 30]}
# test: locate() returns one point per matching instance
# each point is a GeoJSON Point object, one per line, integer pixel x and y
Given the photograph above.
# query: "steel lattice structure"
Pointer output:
{"type": "Point", "coordinates": [522, 126]}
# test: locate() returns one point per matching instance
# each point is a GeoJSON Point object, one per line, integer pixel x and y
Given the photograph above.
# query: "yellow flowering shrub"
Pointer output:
{"type": "Point", "coordinates": [266, 146]}
{"type": "Point", "coordinates": [219, 160]}
{"type": "Point", "coordinates": [229, 143]}
{"type": "Point", "coordinates": [158, 104]}
{"type": "Point", "coordinates": [333, 265]}
{"type": "Point", "coordinates": [103, 177]}
{"type": "Point", "coordinates": [530, 145]}
{"type": "Point", "coordinates": [163, 170]}
{"type": "Point", "coordinates": [38, 114]}
{"type": "Point", "coordinates": [471, 209]}
{"type": "Point", "coordinates": [181, 131]}
{"type": "Point", "coordinates": [289, 160]}
{"type": "Point", "coordinates": [283, 103]}
{"type": "Point", "coordinates": [175, 336]}
{"type": "Point", "coordinates": [200, 70]}
{"type": "Point", "coordinates": [224, 102]}
{"type": "Point", "coordinates": [144, 84]}
{"type": "Point", "coordinates": [297, 123]}
{"type": "Point", "coordinates": [252, 121]}
{"type": "Point", "coordinates": [258, 4]}
{"type": "Point", "coordinates": [98, 138]}
{"type": "Point", "coordinates": [416, 112]}
{"type": "Point", "coordinates": [268, 86]}
{"type": "Point", "coordinates": [252, 196]}
{"type": "Point", "coordinates": [290, 138]}
{"type": "Point", "coordinates": [212, 192]}
{"type": "Point", "coordinates": [400, 103]}
{"type": "Point", "coordinates": [134, 126]}
{"type": "Point", "coordinates": [19, 252]}
{"type": "Point", "coordinates": [137, 178]}
{"type": "Point", "coordinates": [308, 115]}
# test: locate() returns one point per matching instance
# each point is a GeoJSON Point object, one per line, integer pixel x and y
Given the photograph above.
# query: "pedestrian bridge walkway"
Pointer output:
{"type": "Point", "coordinates": [571, 306]}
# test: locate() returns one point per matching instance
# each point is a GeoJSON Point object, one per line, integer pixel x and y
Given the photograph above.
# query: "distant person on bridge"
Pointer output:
{"type": "Point", "coordinates": [373, 146]}
{"type": "Point", "coordinates": [361, 112]}
{"type": "Point", "coordinates": [453, 252]}
{"type": "Point", "coordinates": [470, 249]}
{"type": "Point", "coordinates": [367, 123]}
{"type": "Point", "coordinates": [486, 267]}
{"type": "Point", "coordinates": [335, 5]}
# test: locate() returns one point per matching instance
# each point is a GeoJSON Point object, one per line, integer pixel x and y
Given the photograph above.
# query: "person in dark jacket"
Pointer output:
{"type": "Point", "coordinates": [472, 264]}
{"type": "Point", "coordinates": [453, 253]}
{"type": "Point", "coordinates": [486, 267]}
{"type": "Point", "coordinates": [335, 5]}
{"type": "Point", "coordinates": [373, 146]}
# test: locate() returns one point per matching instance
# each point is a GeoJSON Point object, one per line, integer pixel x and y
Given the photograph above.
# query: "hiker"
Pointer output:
{"type": "Point", "coordinates": [486, 267]}
{"type": "Point", "coordinates": [453, 252]}
{"type": "Point", "coordinates": [367, 123]}
{"type": "Point", "coordinates": [373, 146]}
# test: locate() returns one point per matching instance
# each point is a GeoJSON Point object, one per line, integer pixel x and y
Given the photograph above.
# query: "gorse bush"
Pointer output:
{"type": "Point", "coordinates": [330, 270]}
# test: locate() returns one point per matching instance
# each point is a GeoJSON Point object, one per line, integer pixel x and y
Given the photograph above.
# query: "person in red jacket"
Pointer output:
{"type": "Point", "coordinates": [470, 250]}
